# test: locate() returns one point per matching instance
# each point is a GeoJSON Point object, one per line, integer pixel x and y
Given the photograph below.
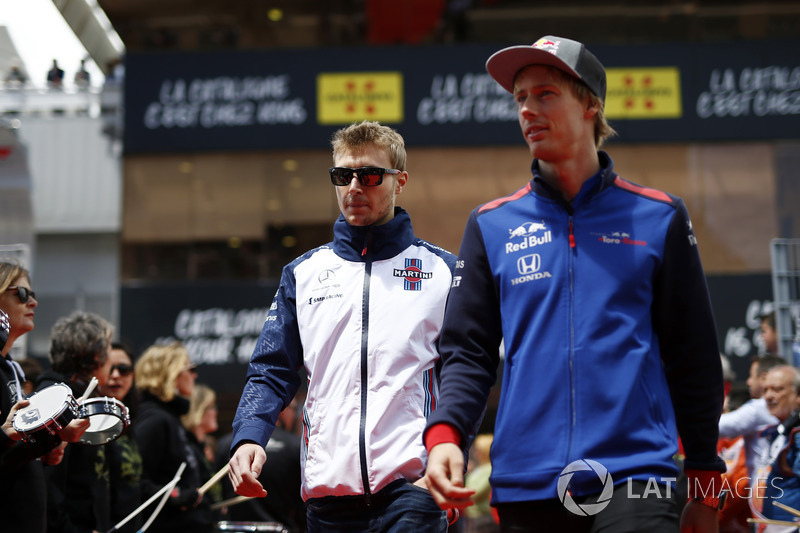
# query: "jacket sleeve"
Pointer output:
{"type": "Point", "coordinates": [272, 376]}
{"type": "Point", "coordinates": [742, 421]}
{"type": "Point", "coordinates": [687, 337]}
{"type": "Point", "coordinates": [470, 339]}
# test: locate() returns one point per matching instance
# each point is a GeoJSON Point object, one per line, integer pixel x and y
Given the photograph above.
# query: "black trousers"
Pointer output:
{"type": "Point", "coordinates": [628, 511]}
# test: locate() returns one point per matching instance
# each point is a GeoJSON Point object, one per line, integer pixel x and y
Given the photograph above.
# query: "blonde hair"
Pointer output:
{"type": "Point", "coordinates": [11, 272]}
{"type": "Point", "coordinates": [157, 369]}
{"type": "Point", "coordinates": [360, 135]}
{"type": "Point", "coordinates": [203, 397]}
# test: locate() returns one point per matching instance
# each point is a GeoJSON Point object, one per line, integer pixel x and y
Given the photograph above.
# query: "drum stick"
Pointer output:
{"type": "Point", "coordinates": [772, 522]}
{"type": "Point", "coordinates": [168, 487]}
{"type": "Point", "coordinates": [89, 389]}
{"type": "Point", "coordinates": [232, 501]}
{"type": "Point", "coordinates": [164, 499]}
{"type": "Point", "coordinates": [785, 507]}
{"type": "Point", "coordinates": [216, 477]}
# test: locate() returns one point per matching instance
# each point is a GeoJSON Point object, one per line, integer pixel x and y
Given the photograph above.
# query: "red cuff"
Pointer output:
{"type": "Point", "coordinates": [441, 433]}
{"type": "Point", "coordinates": [703, 483]}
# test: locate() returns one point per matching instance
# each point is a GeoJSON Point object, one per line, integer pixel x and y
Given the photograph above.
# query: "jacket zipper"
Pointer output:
{"type": "Point", "coordinates": [362, 441]}
{"type": "Point", "coordinates": [573, 408]}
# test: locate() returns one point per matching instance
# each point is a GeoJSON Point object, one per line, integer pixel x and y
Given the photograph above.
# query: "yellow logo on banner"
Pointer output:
{"type": "Point", "coordinates": [343, 98]}
{"type": "Point", "coordinates": [641, 93]}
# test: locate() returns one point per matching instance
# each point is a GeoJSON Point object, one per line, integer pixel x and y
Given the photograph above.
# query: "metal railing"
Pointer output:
{"type": "Point", "coordinates": [785, 255]}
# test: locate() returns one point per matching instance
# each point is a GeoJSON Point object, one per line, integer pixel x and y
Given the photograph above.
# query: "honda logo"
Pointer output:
{"type": "Point", "coordinates": [529, 264]}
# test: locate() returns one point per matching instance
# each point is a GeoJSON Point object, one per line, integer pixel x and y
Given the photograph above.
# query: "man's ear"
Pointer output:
{"type": "Point", "coordinates": [402, 179]}
{"type": "Point", "coordinates": [592, 108]}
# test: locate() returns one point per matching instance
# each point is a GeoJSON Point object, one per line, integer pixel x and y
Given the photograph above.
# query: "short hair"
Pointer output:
{"type": "Point", "coordinates": [765, 363]}
{"type": "Point", "coordinates": [79, 344]}
{"type": "Point", "coordinates": [360, 135]}
{"type": "Point", "coordinates": [202, 398]}
{"type": "Point", "coordinates": [602, 129]}
{"type": "Point", "coordinates": [795, 375]}
{"type": "Point", "coordinates": [10, 272]}
{"type": "Point", "coordinates": [158, 368]}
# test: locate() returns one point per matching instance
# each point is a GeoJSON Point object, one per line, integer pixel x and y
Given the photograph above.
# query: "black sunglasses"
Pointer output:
{"type": "Point", "coordinates": [23, 294]}
{"type": "Point", "coordinates": [367, 176]}
{"type": "Point", "coordinates": [123, 369]}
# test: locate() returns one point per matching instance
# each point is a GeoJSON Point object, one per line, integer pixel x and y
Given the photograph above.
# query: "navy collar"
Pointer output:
{"type": "Point", "coordinates": [603, 179]}
{"type": "Point", "coordinates": [361, 243]}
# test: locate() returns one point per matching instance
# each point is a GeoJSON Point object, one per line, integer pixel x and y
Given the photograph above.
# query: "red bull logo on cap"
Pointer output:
{"type": "Point", "coordinates": [546, 43]}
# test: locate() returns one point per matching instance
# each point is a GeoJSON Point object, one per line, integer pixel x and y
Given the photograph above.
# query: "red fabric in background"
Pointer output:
{"type": "Point", "coordinates": [407, 22]}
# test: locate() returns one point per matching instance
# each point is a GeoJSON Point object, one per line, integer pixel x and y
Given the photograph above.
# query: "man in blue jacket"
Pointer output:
{"type": "Point", "coordinates": [596, 288]}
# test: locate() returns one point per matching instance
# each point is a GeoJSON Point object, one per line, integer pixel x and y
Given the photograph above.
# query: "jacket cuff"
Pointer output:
{"type": "Point", "coordinates": [703, 483]}
{"type": "Point", "coordinates": [441, 433]}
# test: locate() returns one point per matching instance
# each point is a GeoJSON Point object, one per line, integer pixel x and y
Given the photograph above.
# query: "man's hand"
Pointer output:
{"type": "Point", "coordinates": [8, 425]}
{"type": "Point", "coordinates": [73, 431]}
{"type": "Point", "coordinates": [699, 518]}
{"type": "Point", "coordinates": [245, 467]}
{"type": "Point", "coordinates": [444, 477]}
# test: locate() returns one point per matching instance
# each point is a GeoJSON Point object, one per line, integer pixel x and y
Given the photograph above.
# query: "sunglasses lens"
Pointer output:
{"type": "Point", "coordinates": [370, 177]}
{"type": "Point", "coordinates": [341, 176]}
{"type": "Point", "coordinates": [124, 370]}
{"type": "Point", "coordinates": [24, 294]}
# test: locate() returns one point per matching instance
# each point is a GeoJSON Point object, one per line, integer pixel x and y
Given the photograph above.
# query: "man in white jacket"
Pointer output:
{"type": "Point", "coordinates": [749, 420]}
{"type": "Point", "coordinates": [362, 315]}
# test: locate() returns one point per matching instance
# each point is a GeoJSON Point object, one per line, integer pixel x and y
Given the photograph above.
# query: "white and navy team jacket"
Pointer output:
{"type": "Point", "coordinates": [362, 315]}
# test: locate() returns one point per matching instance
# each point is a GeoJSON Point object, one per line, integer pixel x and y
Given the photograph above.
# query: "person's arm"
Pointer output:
{"type": "Point", "coordinates": [687, 336]}
{"type": "Point", "coordinates": [272, 382]}
{"type": "Point", "coordinates": [469, 348]}
{"type": "Point", "coordinates": [272, 376]}
{"type": "Point", "coordinates": [742, 421]}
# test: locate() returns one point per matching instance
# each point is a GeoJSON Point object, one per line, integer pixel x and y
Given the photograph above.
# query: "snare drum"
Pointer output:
{"type": "Point", "coordinates": [270, 527]}
{"type": "Point", "coordinates": [50, 410]}
{"type": "Point", "coordinates": [108, 418]}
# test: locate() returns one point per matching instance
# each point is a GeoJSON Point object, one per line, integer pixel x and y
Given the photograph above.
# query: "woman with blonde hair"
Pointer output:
{"type": "Point", "coordinates": [165, 377]}
{"type": "Point", "coordinates": [200, 424]}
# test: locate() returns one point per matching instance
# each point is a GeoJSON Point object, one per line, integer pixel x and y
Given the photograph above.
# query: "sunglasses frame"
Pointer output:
{"type": "Point", "coordinates": [23, 293]}
{"type": "Point", "coordinates": [361, 175]}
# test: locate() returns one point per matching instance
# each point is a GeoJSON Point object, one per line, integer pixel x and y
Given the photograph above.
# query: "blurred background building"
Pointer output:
{"type": "Point", "coordinates": [168, 195]}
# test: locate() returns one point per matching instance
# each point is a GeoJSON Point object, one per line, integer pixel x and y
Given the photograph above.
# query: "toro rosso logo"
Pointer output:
{"type": "Point", "coordinates": [531, 233]}
{"type": "Point", "coordinates": [413, 274]}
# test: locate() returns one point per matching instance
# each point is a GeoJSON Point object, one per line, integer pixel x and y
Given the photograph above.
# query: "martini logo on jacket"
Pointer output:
{"type": "Point", "coordinates": [413, 274]}
{"type": "Point", "coordinates": [531, 233]}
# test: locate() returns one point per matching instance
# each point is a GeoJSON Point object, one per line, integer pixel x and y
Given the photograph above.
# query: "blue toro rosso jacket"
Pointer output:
{"type": "Point", "coordinates": [610, 342]}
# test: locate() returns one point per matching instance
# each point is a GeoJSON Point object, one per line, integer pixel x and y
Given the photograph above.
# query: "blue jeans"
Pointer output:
{"type": "Point", "coordinates": [398, 508]}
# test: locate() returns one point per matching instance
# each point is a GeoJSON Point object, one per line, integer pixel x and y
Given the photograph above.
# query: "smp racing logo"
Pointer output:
{"type": "Point", "coordinates": [413, 274]}
{"type": "Point", "coordinates": [531, 233]}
